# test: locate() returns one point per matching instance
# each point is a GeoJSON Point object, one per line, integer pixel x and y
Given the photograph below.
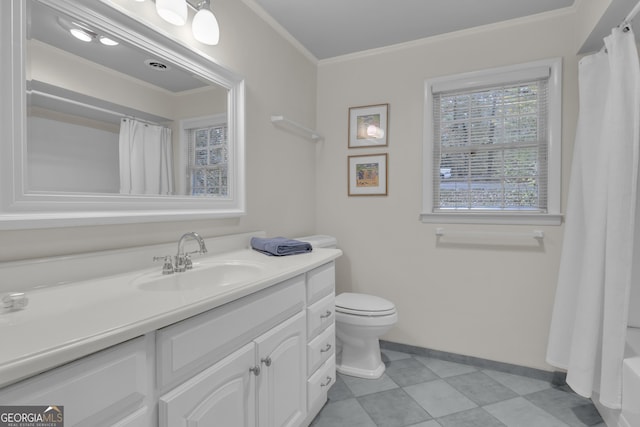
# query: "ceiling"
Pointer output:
{"type": "Point", "coordinates": [329, 28]}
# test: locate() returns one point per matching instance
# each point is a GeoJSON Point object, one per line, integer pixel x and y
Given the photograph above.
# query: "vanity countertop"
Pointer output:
{"type": "Point", "coordinates": [65, 322]}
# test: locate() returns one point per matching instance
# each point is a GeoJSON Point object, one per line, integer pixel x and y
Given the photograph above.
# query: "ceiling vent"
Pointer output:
{"type": "Point", "coordinates": [156, 65]}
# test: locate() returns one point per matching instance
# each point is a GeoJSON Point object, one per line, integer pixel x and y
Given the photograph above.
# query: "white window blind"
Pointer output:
{"type": "Point", "coordinates": [207, 159]}
{"type": "Point", "coordinates": [490, 148]}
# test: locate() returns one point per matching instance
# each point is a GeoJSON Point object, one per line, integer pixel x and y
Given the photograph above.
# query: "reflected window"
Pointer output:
{"type": "Point", "coordinates": [207, 157]}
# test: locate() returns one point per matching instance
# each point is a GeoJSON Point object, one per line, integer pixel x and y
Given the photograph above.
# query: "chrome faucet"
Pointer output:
{"type": "Point", "coordinates": [183, 260]}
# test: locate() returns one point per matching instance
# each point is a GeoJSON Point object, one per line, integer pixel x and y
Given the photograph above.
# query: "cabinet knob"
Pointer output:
{"type": "Point", "coordinates": [326, 383]}
{"type": "Point", "coordinates": [326, 314]}
{"type": "Point", "coordinates": [326, 348]}
{"type": "Point", "coordinates": [255, 370]}
{"type": "Point", "coordinates": [266, 361]}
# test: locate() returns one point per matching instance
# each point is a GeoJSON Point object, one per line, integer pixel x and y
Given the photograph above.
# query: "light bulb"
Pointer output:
{"type": "Point", "coordinates": [107, 41]}
{"type": "Point", "coordinates": [172, 11]}
{"type": "Point", "coordinates": [205, 27]}
{"type": "Point", "coordinates": [81, 34]}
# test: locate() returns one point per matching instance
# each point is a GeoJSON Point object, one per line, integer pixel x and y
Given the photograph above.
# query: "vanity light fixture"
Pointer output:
{"type": "Point", "coordinates": [205, 26]}
{"type": "Point", "coordinates": [82, 34]}
{"type": "Point", "coordinates": [107, 41]}
{"type": "Point", "coordinates": [173, 11]}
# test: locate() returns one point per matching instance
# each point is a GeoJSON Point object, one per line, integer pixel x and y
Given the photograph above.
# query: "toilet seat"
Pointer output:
{"type": "Point", "coordinates": [363, 305]}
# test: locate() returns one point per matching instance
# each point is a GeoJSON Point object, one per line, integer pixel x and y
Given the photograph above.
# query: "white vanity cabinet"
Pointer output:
{"type": "Point", "coordinates": [111, 388]}
{"type": "Point", "coordinates": [279, 379]}
{"type": "Point", "coordinates": [321, 341]}
{"type": "Point", "coordinates": [262, 384]}
{"type": "Point", "coordinates": [265, 359]}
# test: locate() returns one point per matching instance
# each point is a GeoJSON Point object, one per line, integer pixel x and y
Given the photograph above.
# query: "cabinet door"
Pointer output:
{"type": "Point", "coordinates": [223, 395]}
{"type": "Point", "coordinates": [282, 382]}
{"type": "Point", "coordinates": [98, 390]}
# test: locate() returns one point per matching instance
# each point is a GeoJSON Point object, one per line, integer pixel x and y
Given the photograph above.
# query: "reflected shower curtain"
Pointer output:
{"type": "Point", "coordinates": [588, 328]}
{"type": "Point", "coordinates": [146, 158]}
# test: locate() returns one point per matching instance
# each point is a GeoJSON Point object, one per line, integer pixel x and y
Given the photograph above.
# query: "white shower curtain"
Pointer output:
{"type": "Point", "coordinates": [146, 158]}
{"type": "Point", "coordinates": [588, 328]}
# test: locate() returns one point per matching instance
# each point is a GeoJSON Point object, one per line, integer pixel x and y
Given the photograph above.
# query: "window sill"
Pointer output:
{"type": "Point", "coordinates": [498, 218]}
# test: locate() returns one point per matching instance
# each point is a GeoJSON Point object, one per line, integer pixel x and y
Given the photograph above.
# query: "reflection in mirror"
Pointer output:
{"type": "Point", "coordinates": [106, 117]}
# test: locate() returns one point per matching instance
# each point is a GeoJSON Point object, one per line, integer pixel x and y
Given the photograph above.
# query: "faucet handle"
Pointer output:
{"type": "Point", "coordinates": [14, 300]}
{"type": "Point", "coordinates": [188, 264]}
{"type": "Point", "coordinates": [167, 267]}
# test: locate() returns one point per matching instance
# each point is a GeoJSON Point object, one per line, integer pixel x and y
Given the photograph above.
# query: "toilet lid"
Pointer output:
{"type": "Point", "coordinates": [363, 304]}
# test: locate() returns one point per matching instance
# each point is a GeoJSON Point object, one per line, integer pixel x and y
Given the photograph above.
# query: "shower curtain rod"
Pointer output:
{"type": "Point", "coordinates": [92, 107]}
{"type": "Point", "coordinates": [626, 24]}
{"type": "Point", "coordinates": [627, 21]}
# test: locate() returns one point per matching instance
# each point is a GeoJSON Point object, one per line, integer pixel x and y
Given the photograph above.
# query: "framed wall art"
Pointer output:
{"type": "Point", "coordinates": [368, 126]}
{"type": "Point", "coordinates": [368, 175]}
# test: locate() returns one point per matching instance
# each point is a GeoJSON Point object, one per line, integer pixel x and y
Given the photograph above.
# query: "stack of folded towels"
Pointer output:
{"type": "Point", "coordinates": [280, 246]}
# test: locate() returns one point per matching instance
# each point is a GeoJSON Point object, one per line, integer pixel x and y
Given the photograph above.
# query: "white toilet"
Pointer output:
{"type": "Point", "coordinates": [361, 320]}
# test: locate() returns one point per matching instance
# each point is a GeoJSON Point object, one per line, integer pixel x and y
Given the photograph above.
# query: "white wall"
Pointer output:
{"type": "Point", "coordinates": [489, 299]}
{"type": "Point", "coordinates": [280, 166]}
{"type": "Point", "coordinates": [67, 156]}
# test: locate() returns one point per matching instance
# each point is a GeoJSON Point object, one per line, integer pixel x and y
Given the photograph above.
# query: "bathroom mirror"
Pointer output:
{"type": "Point", "coordinates": [116, 124]}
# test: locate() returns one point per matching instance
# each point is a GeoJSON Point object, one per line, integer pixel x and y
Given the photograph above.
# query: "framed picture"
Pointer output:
{"type": "Point", "coordinates": [368, 175]}
{"type": "Point", "coordinates": [368, 126]}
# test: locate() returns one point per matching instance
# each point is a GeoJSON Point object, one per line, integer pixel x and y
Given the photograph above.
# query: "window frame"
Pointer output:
{"type": "Point", "coordinates": [489, 77]}
{"type": "Point", "coordinates": [186, 126]}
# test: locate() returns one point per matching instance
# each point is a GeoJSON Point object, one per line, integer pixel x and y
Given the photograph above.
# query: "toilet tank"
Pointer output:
{"type": "Point", "coordinates": [320, 241]}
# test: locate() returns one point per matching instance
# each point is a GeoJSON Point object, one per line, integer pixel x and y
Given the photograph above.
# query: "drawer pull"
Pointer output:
{"type": "Point", "coordinates": [326, 348]}
{"type": "Point", "coordinates": [324, 384]}
{"type": "Point", "coordinates": [326, 314]}
{"type": "Point", "coordinates": [266, 361]}
{"type": "Point", "coordinates": [255, 370]}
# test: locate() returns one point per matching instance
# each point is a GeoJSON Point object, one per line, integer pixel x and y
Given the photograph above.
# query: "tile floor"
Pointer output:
{"type": "Point", "coordinates": [422, 391]}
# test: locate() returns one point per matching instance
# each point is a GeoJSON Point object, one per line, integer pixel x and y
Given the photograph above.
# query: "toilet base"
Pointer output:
{"type": "Point", "coordinates": [360, 358]}
{"type": "Point", "coordinates": [371, 374]}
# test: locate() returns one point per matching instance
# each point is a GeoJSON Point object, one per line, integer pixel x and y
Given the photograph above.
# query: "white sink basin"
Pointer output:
{"type": "Point", "coordinates": [203, 275]}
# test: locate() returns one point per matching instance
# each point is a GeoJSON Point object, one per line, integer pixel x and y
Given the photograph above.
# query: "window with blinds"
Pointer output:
{"type": "Point", "coordinates": [493, 142]}
{"type": "Point", "coordinates": [208, 161]}
{"type": "Point", "coordinates": [490, 148]}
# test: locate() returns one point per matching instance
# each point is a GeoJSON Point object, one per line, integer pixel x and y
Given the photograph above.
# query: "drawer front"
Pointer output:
{"type": "Point", "coordinates": [321, 349]}
{"type": "Point", "coordinates": [321, 281]}
{"type": "Point", "coordinates": [320, 315]}
{"type": "Point", "coordinates": [320, 382]}
{"type": "Point", "coordinates": [106, 386]}
{"type": "Point", "coordinates": [192, 345]}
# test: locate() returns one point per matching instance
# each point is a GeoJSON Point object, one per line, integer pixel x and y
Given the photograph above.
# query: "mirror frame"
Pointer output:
{"type": "Point", "coordinates": [20, 209]}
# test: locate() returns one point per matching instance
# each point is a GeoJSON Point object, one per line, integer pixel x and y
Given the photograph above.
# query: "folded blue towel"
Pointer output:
{"type": "Point", "coordinates": [280, 246]}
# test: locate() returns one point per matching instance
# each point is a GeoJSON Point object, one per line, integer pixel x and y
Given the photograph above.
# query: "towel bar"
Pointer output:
{"type": "Point", "coordinates": [536, 234]}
